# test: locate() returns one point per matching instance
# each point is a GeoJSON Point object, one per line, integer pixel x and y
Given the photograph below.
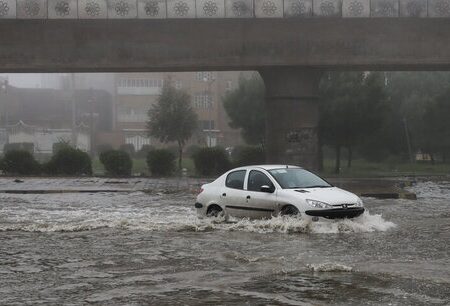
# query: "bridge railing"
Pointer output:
{"type": "Point", "coordinates": [161, 9]}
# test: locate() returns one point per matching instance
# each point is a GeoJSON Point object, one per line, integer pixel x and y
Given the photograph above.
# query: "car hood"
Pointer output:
{"type": "Point", "coordinates": [332, 195]}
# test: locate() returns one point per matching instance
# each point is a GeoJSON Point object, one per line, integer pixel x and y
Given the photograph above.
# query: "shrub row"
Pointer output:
{"type": "Point", "coordinates": [66, 161]}
{"type": "Point", "coordinates": [69, 161]}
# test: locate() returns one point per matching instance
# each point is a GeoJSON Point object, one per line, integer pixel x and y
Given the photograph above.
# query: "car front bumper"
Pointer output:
{"type": "Point", "coordinates": [336, 213]}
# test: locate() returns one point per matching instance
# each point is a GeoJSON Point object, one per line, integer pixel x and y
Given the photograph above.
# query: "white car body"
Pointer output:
{"type": "Point", "coordinates": [228, 194]}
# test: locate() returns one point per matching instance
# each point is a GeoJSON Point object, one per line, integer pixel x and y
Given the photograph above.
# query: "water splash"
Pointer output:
{"type": "Point", "coordinates": [139, 211]}
{"type": "Point", "coordinates": [433, 190]}
{"type": "Point", "coordinates": [183, 223]}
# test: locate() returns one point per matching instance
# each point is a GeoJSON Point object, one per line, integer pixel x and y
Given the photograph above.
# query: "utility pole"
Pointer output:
{"type": "Point", "coordinates": [74, 124]}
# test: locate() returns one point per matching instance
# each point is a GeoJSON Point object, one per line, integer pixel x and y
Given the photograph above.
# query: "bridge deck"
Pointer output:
{"type": "Point", "coordinates": [223, 44]}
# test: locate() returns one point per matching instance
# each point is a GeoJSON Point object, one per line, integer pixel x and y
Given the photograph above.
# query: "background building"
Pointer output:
{"type": "Point", "coordinates": [43, 117]}
{"type": "Point", "coordinates": [111, 109]}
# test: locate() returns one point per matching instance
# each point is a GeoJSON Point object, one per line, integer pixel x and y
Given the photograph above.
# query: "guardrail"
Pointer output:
{"type": "Point", "coordinates": [162, 9]}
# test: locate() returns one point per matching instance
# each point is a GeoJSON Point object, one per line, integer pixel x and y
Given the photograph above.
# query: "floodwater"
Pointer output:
{"type": "Point", "coordinates": [143, 249]}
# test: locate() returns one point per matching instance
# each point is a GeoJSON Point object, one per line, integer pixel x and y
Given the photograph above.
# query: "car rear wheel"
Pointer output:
{"type": "Point", "coordinates": [289, 210]}
{"type": "Point", "coordinates": [214, 211]}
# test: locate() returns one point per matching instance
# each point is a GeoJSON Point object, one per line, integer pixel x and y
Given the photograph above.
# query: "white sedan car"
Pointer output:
{"type": "Point", "coordinates": [270, 190]}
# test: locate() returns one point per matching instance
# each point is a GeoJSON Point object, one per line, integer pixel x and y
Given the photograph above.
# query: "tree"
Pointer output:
{"type": "Point", "coordinates": [246, 108]}
{"type": "Point", "coordinates": [172, 118]}
{"type": "Point", "coordinates": [437, 126]}
{"type": "Point", "coordinates": [413, 95]}
{"type": "Point", "coordinates": [375, 107]}
{"type": "Point", "coordinates": [353, 106]}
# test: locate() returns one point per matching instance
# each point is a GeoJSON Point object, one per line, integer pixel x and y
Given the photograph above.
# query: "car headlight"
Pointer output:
{"type": "Point", "coordinates": [317, 204]}
{"type": "Point", "coordinates": [359, 202]}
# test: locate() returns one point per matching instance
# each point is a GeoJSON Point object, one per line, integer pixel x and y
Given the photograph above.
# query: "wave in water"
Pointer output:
{"type": "Point", "coordinates": [329, 267]}
{"type": "Point", "coordinates": [186, 222]}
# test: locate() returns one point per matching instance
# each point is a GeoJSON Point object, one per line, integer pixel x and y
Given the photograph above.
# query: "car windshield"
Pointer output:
{"type": "Point", "coordinates": [289, 178]}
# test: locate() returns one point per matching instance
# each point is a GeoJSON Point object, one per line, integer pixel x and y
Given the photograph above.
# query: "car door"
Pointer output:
{"type": "Point", "coordinates": [260, 204]}
{"type": "Point", "coordinates": [233, 194]}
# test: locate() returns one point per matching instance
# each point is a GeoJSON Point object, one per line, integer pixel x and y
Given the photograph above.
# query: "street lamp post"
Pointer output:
{"type": "Point", "coordinates": [73, 102]}
{"type": "Point", "coordinates": [210, 106]}
{"type": "Point", "coordinates": [91, 122]}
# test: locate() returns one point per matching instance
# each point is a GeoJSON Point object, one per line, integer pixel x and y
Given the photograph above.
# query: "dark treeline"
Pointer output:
{"type": "Point", "coordinates": [372, 115]}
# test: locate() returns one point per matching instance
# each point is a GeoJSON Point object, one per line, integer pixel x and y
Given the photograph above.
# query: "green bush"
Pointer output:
{"type": "Point", "coordinates": [20, 162]}
{"type": "Point", "coordinates": [129, 148]}
{"type": "Point", "coordinates": [19, 146]}
{"type": "Point", "coordinates": [248, 155]}
{"type": "Point", "coordinates": [161, 162]}
{"type": "Point", "coordinates": [69, 161]}
{"type": "Point", "coordinates": [143, 152]}
{"type": "Point", "coordinates": [116, 163]}
{"type": "Point", "coordinates": [211, 161]}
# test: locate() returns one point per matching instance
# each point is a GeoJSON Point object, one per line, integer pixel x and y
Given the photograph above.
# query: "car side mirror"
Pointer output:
{"type": "Point", "coordinates": [267, 188]}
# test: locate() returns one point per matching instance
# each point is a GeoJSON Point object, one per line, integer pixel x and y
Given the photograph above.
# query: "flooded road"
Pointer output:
{"type": "Point", "coordinates": [143, 249]}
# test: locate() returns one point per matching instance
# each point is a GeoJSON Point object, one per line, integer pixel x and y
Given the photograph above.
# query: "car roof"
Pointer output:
{"type": "Point", "coordinates": [268, 167]}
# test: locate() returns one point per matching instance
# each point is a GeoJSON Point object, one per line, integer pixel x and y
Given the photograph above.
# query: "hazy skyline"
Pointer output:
{"type": "Point", "coordinates": [33, 80]}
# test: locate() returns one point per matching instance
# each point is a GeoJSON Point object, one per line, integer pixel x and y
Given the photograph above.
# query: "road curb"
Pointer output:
{"type": "Point", "coordinates": [43, 191]}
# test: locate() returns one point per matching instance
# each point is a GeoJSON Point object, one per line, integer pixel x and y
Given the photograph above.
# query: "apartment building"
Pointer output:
{"type": "Point", "coordinates": [137, 92]}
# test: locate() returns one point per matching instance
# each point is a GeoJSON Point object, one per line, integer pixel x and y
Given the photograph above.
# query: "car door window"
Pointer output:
{"type": "Point", "coordinates": [236, 179]}
{"type": "Point", "coordinates": [256, 179]}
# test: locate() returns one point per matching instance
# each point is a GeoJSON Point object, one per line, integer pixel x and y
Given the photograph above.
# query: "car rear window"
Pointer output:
{"type": "Point", "coordinates": [235, 179]}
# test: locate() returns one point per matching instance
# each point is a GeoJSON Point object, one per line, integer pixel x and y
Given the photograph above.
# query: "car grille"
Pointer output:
{"type": "Point", "coordinates": [344, 205]}
{"type": "Point", "coordinates": [336, 213]}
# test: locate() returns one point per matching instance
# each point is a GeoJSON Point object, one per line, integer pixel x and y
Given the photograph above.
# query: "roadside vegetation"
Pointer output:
{"type": "Point", "coordinates": [372, 124]}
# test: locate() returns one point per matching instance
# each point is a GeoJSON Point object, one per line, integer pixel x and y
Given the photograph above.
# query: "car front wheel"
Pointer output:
{"type": "Point", "coordinates": [289, 210]}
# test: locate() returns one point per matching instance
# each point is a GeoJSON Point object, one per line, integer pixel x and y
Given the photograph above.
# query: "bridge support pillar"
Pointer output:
{"type": "Point", "coordinates": [292, 116]}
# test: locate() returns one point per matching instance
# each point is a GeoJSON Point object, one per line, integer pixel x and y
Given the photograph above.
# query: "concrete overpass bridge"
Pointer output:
{"type": "Point", "coordinates": [290, 42]}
